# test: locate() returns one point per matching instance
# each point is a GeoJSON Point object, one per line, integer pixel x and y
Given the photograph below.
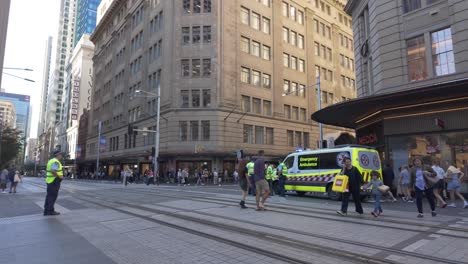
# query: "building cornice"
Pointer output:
{"type": "Point", "coordinates": [349, 6]}
{"type": "Point", "coordinates": [106, 19]}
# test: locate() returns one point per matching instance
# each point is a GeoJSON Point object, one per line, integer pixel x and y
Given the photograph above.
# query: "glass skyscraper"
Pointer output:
{"type": "Point", "coordinates": [85, 18]}
{"type": "Point", "coordinates": [23, 111]}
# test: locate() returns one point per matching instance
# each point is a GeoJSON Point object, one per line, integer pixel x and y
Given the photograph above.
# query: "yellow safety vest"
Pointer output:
{"type": "Point", "coordinates": [250, 168]}
{"type": "Point", "coordinates": [269, 173]}
{"type": "Point", "coordinates": [274, 175]}
{"type": "Point", "coordinates": [50, 177]}
{"type": "Point", "coordinates": [284, 169]}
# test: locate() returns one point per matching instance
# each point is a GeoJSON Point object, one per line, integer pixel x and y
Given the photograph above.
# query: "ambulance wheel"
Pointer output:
{"type": "Point", "coordinates": [335, 196]}
{"type": "Point", "coordinates": [300, 194]}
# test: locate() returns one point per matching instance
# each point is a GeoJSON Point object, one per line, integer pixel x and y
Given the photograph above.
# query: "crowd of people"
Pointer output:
{"type": "Point", "coordinates": [10, 175]}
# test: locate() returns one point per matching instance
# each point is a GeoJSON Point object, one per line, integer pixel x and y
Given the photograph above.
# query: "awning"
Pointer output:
{"type": "Point", "coordinates": [347, 114]}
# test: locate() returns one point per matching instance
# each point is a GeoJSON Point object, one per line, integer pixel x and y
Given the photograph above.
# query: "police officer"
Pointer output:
{"type": "Point", "coordinates": [250, 171]}
{"type": "Point", "coordinates": [269, 178]}
{"type": "Point", "coordinates": [53, 179]}
{"type": "Point", "coordinates": [282, 171]}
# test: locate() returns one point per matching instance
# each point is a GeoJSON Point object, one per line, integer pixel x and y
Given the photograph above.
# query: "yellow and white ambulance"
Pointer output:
{"type": "Point", "coordinates": [314, 170]}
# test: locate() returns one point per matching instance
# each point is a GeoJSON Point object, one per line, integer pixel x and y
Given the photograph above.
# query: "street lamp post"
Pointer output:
{"type": "Point", "coordinates": [158, 116]}
{"type": "Point", "coordinates": [319, 105]}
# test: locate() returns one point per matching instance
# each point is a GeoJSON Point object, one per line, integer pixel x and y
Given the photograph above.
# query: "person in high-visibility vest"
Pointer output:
{"type": "Point", "coordinates": [274, 181]}
{"type": "Point", "coordinates": [53, 179]}
{"type": "Point", "coordinates": [250, 171]}
{"type": "Point", "coordinates": [268, 178]}
{"type": "Point", "coordinates": [282, 171]}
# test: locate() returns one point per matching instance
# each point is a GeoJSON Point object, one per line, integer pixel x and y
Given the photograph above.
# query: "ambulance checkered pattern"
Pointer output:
{"type": "Point", "coordinates": [323, 178]}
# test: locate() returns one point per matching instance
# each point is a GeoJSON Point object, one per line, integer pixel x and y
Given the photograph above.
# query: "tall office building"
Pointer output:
{"type": "Point", "coordinates": [85, 18]}
{"type": "Point", "coordinates": [4, 13]}
{"type": "Point", "coordinates": [411, 61]}
{"type": "Point", "coordinates": [234, 75]}
{"type": "Point", "coordinates": [63, 53]}
{"type": "Point", "coordinates": [7, 114]}
{"type": "Point", "coordinates": [45, 86]}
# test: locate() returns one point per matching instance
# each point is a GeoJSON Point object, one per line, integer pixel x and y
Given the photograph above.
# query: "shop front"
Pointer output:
{"type": "Point", "coordinates": [430, 123]}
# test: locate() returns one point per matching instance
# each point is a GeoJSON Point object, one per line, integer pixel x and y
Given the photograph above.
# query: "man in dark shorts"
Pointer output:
{"type": "Point", "coordinates": [263, 190]}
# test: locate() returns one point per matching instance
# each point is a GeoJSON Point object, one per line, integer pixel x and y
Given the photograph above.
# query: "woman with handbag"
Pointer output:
{"type": "Point", "coordinates": [454, 176]}
{"type": "Point", "coordinates": [423, 179]}
{"type": "Point", "coordinates": [16, 179]}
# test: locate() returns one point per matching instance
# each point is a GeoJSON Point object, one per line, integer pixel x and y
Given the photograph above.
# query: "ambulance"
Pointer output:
{"type": "Point", "coordinates": [313, 171]}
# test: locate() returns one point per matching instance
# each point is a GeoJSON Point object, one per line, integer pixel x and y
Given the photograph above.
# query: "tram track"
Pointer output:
{"type": "Point", "coordinates": [286, 241]}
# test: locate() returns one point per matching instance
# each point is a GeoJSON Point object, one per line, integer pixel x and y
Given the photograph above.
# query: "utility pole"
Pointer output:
{"type": "Point", "coordinates": [319, 98]}
{"type": "Point", "coordinates": [99, 146]}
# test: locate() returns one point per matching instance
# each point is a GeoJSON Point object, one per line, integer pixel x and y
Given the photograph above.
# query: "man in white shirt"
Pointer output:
{"type": "Point", "coordinates": [440, 185]}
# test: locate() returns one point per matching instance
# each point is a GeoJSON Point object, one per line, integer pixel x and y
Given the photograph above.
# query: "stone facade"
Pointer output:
{"type": "Point", "coordinates": [222, 67]}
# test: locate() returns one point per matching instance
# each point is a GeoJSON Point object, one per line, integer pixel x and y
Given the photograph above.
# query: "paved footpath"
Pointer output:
{"type": "Point", "coordinates": [110, 223]}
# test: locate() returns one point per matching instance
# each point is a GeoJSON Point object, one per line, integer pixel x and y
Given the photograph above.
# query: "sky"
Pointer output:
{"type": "Point", "coordinates": [30, 23]}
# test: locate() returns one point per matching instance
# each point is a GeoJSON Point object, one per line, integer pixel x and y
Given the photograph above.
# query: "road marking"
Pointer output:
{"type": "Point", "coordinates": [434, 236]}
{"type": "Point", "coordinates": [416, 245]}
{"type": "Point", "coordinates": [394, 258]}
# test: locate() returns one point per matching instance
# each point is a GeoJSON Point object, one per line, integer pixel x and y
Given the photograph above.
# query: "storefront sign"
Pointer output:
{"type": "Point", "coordinates": [370, 139]}
{"type": "Point", "coordinates": [371, 135]}
{"type": "Point", "coordinates": [75, 99]}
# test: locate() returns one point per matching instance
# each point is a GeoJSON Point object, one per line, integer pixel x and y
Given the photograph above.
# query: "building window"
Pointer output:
{"type": "Point", "coordinates": [300, 17]}
{"type": "Point", "coordinates": [285, 35]}
{"type": "Point", "coordinates": [300, 41]}
{"type": "Point", "coordinates": [303, 116]}
{"type": "Point", "coordinates": [255, 48]}
{"type": "Point", "coordinates": [293, 13]}
{"type": "Point", "coordinates": [186, 5]}
{"type": "Point", "coordinates": [301, 65]}
{"type": "Point", "coordinates": [207, 6]}
{"type": "Point", "coordinates": [207, 34]}
{"type": "Point", "coordinates": [257, 106]}
{"type": "Point", "coordinates": [194, 130]}
{"type": "Point", "coordinates": [287, 111]}
{"type": "Point", "coordinates": [316, 49]}
{"type": "Point", "coordinates": [410, 5]}
{"type": "Point", "coordinates": [298, 138]}
{"type": "Point", "coordinates": [286, 87]}
{"type": "Point", "coordinates": [285, 60]}
{"type": "Point", "coordinates": [256, 78]}
{"type": "Point", "coordinates": [195, 98]}
{"type": "Point", "coordinates": [185, 35]}
{"type": "Point", "coordinates": [206, 67]}
{"type": "Point", "coordinates": [259, 135]}
{"type": "Point", "coordinates": [205, 129]}
{"type": "Point", "coordinates": [196, 34]}
{"type": "Point", "coordinates": [185, 68]}
{"type": "Point", "coordinates": [196, 68]}
{"type": "Point", "coordinates": [266, 25]}
{"type": "Point", "coordinates": [266, 80]}
{"type": "Point", "coordinates": [245, 44]}
{"type": "Point", "coordinates": [293, 63]}
{"type": "Point", "coordinates": [293, 88]}
{"type": "Point", "coordinates": [442, 52]}
{"type": "Point", "coordinates": [248, 134]}
{"type": "Point", "coordinates": [301, 92]}
{"type": "Point", "coordinates": [295, 113]}
{"type": "Point", "coordinates": [290, 138]}
{"type": "Point", "coordinates": [245, 75]}
{"type": "Point", "coordinates": [184, 96]}
{"type": "Point", "coordinates": [285, 9]}
{"type": "Point", "coordinates": [306, 140]}
{"type": "Point", "coordinates": [416, 58]}
{"type": "Point", "coordinates": [255, 21]}
{"type": "Point", "coordinates": [206, 98]}
{"type": "Point", "coordinates": [196, 6]}
{"type": "Point", "coordinates": [293, 38]}
{"type": "Point", "coordinates": [266, 52]}
{"type": "Point", "coordinates": [245, 104]}
{"type": "Point", "coordinates": [267, 107]}
{"type": "Point", "coordinates": [183, 130]}
{"type": "Point", "coordinates": [245, 16]}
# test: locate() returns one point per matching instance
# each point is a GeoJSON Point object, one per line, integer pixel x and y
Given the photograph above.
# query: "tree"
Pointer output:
{"type": "Point", "coordinates": [11, 144]}
{"type": "Point", "coordinates": [345, 138]}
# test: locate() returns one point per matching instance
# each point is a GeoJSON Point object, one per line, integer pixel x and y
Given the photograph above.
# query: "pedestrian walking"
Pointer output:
{"type": "Point", "coordinates": [439, 186]}
{"type": "Point", "coordinates": [373, 187]}
{"type": "Point", "coordinates": [244, 182]}
{"type": "Point", "coordinates": [150, 177]}
{"type": "Point", "coordinates": [179, 177]}
{"type": "Point", "coordinates": [3, 180]}
{"type": "Point", "coordinates": [53, 180]}
{"type": "Point", "coordinates": [420, 183]}
{"type": "Point", "coordinates": [388, 178]}
{"type": "Point", "coordinates": [454, 176]}
{"type": "Point", "coordinates": [261, 185]}
{"type": "Point", "coordinates": [404, 182]}
{"type": "Point", "coordinates": [250, 169]}
{"type": "Point", "coordinates": [235, 175]}
{"type": "Point", "coordinates": [282, 171]}
{"type": "Point", "coordinates": [274, 181]}
{"type": "Point", "coordinates": [355, 182]}
{"type": "Point", "coordinates": [215, 176]}
{"type": "Point", "coordinates": [16, 179]}
{"type": "Point", "coordinates": [127, 175]}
